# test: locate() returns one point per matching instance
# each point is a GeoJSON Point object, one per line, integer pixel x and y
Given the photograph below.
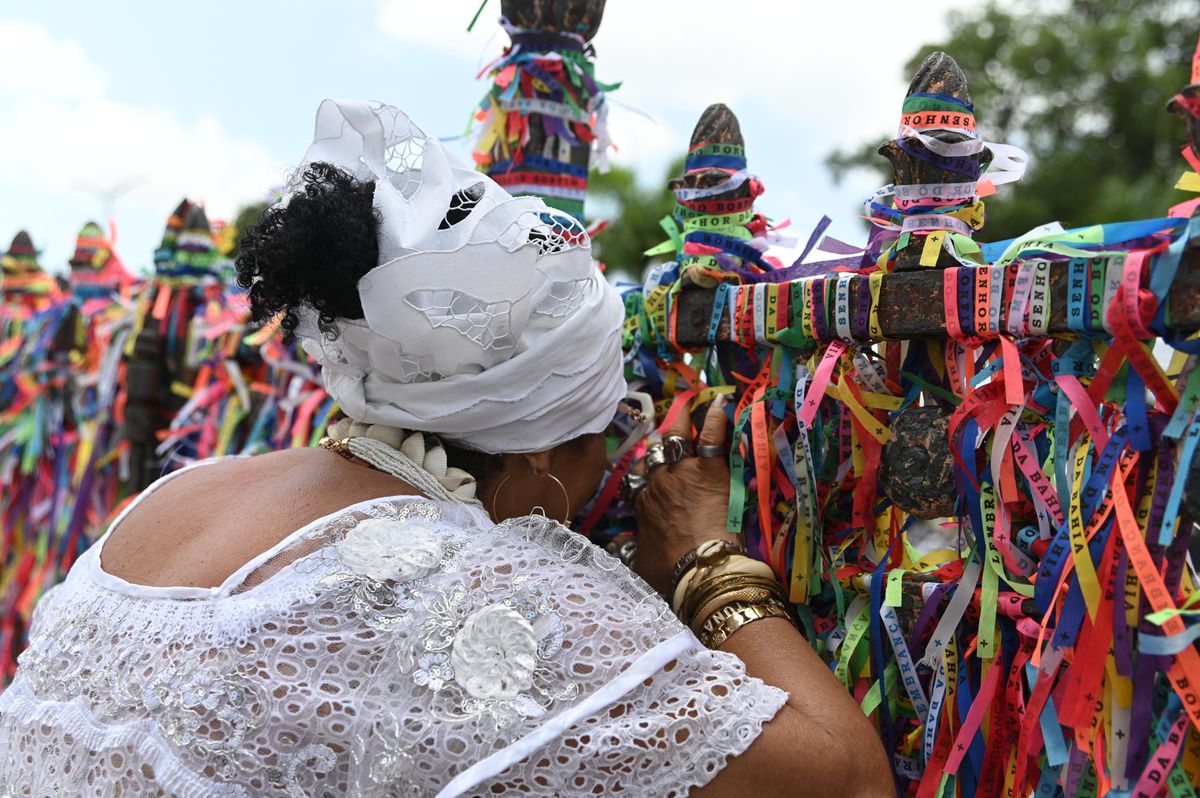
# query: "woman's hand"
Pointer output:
{"type": "Point", "coordinates": [683, 503]}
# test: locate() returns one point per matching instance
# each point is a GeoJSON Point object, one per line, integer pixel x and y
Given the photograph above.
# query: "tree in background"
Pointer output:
{"type": "Point", "coordinates": [1082, 86]}
{"type": "Point", "coordinates": [633, 213]}
{"type": "Point", "coordinates": [246, 216]}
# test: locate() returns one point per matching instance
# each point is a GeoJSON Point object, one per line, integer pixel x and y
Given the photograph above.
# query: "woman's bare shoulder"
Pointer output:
{"type": "Point", "coordinates": [197, 528]}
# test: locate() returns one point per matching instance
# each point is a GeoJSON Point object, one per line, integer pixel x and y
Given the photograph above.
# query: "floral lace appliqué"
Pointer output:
{"type": "Point", "coordinates": [564, 297]}
{"type": "Point", "coordinates": [494, 664]}
{"type": "Point", "coordinates": [494, 653]}
{"type": "Point", "coordinates": [345, 666]}
{"type": "Point", "coordinates": [384, 561]}
{"type": "Point", "coordinates": [486, 323]}
{"type": "Point", "coordinates": [391, 551]}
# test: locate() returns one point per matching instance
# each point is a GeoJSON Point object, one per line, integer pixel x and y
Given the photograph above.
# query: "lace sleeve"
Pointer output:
{"type": "Point", "coordinates": [538, 664]}
{"type": "Point", "coordinates": [671, 734]}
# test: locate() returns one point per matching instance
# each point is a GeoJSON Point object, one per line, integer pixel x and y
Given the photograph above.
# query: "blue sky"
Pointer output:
{"type": "Point", "coordinates": [216, 100]}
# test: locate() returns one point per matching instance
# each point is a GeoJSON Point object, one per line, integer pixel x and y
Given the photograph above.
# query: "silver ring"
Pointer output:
{"type": "Point", "coordinates": [676, 447]}
{"type": "Point", "coordinates": [656, 455]}
{"type": "Point", "coordinates": [710, 450]}
{"type": "Point", "coordinates": [628, 553]}
{"type": "Point", "coordinates": [624, 547]}
{"type": "Point", "coordinates": [631, 486]}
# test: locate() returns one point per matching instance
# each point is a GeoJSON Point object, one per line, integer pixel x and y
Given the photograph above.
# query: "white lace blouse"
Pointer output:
{"type": "Point", "coordinates": [398, 647]}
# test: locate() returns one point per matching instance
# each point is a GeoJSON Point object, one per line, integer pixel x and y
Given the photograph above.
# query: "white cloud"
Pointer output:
{"type": "Point", "coordinates": [74, 143]}
{"type": "Point", "coordinates": [33, 62]}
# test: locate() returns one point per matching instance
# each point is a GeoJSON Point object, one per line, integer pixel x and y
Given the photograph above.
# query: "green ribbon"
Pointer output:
{"type": "Point", "coordinates": [873, 698]}
{"type": "Point", "coordinates": [732, 150]}
{"type": "Point", "coordinates": [914, 104]}
{"type": "Point", "coordinates": [737, 470]}
{"type": "Point", "coordinates": [475, 18]}
{"type": "Point", "coordinates": [726, 224]}
{"type": "Point", "coordinates": [854, 636]}
{"type": "Point", "coordinates": [931, 388]}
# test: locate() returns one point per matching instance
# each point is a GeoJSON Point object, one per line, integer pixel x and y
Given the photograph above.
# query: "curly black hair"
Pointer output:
{"type": "Point", "coordinates": [312, 251]}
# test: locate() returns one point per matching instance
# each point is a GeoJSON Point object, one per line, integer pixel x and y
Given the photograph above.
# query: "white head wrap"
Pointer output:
{"type": "Point", "coordinates": [491, 327]}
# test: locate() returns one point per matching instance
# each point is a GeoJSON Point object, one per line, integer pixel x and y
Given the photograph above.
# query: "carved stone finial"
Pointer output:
{"type": "Point", "coordinates": [21, 257]}
{"type": "Point", "coordinates": [581, 17]}
{"type": "Point", "coordinates": [166, 249]}
{"type": "Point", "coordinates": [938, 74]}
{"type": "Point", "coordinates": [717, 125]}
{"type": "Point", "coordinates": [21, 244]}
{"type": "Point", "coordinates": [91, 252]}
{"type": "Point", "coordinates": [195, 247]}
{"type": "Point", "coordinates": [196, 221]}
{"type": "Point", "coordinates": [20, 273]}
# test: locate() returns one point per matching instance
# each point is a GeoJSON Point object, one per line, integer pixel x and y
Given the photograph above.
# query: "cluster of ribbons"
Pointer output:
{"type": "Point", "coordinates": [78, 394]}
{"type": "Point", "coordinates": [714, 234]}
{"type": "Point", "coordinates": [714, 229]}
{"type": "Point", "coordinates": [62, 401]}
{"type": "Point", "coordinates": [543, 79]}
{"type": "Point", "coordinates": [1040, 638]}
{"type": "Point", "coordinates": [938, 133]}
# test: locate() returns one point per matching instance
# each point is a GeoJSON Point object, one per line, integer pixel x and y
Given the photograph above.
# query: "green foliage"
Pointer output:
{"type": "Point", "coordinates": [633, 212]}
{"type": "Point", "coordinates": [1082, 86]}
{"type": "Point", "coordinates": [246, 217]}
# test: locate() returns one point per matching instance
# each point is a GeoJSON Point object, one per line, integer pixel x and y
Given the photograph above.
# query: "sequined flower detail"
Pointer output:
{"type": "Point", "coordinates": [395, 768]}
{"type": "Point", "coordinates": [494, 653]}
{"type": "Point", "coordinates": [389, 551]}
{"type": "Point", "coordinates": [433, 670]}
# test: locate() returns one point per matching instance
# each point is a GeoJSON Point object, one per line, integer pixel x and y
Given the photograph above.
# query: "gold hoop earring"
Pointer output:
{"type": "Point", "coordinates": [566, 497]}
{"type": "Point", "coordinates": [496, 495]}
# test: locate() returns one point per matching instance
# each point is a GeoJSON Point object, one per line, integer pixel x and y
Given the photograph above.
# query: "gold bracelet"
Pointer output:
{"type": "Point", "coordinates": [748, 593]}
{"type": "Point", "coordinates": [721, 626]}
{"type": "Point", "coordinates": [694, 577]}
{"type": "Point", "coordinates": [715, 587]}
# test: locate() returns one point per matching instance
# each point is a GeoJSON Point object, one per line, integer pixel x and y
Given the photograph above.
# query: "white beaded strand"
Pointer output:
{"type": "Point", "coordinates": [405, 456]}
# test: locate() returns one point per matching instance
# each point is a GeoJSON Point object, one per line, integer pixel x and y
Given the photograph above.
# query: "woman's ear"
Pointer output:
{"type": "Point", "coordinates": [538, 461]}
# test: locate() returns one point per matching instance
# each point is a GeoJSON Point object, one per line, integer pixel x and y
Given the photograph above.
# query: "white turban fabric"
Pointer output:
{"type": "Point", "coordinates": [486, 321]}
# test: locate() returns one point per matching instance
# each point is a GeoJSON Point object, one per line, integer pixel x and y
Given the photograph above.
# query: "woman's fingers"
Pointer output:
{"type": "Point", "coordinates": [716, 424]}
{"type": "Point", "coordinates": [682, 425]}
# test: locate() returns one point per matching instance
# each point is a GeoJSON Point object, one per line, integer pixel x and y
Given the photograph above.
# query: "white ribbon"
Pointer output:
{"type": "Point", "coordinates": [935, 191]}
{"type": "Point", "coordinates": [1008, 164]}
{"type": "Point", "coordinates": [954, 613]}
{"type": "Point", "coordinates": [728, 184]}
{"type": "Point", "coordinates": [537, 105]}
{"type": "Point", "coordinates": [948, 149]}
{"type": "Point", "coordinates": [1008, 160]}
{"type": "Point", "coordinates": [934, 221]}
